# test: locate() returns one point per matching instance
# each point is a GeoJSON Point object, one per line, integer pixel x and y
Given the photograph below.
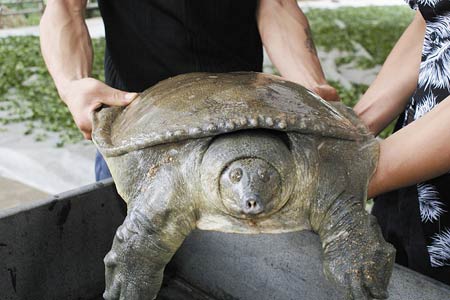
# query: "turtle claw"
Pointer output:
{"type": "Point", "coordinates": [113, 282]}
{"type": "Point", "coordinates": [357, 290]}
{"type": "Point", "coordinates": [378, 293]}
{"type": "Point", "coordinates": [350, 281]}
{"type": "Point", "coordinates": [363, 278]}
{"type": "Point", "coordinates": [376, 277]}
{"type": "Point", "coordinates": [120, 265]}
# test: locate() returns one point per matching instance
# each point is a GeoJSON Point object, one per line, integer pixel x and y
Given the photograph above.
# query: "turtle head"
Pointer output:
{"type": "Point", "coordinates": [248, 174]}
{"type": "Point", "coordinates": [250, 187]}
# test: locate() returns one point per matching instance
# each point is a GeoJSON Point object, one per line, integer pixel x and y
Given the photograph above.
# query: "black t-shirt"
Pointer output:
{"type": "Point", "coordinates": [150, 40]}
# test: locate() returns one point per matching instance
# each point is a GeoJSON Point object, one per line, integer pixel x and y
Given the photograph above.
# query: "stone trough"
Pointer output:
{"type": "Point", "coordinates": [54, 249]}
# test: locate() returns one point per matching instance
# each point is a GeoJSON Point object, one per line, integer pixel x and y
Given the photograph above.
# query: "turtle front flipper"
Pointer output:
{"type": "Point", "coordinates": [356, 256]}
{"type": "Point", "coordinates": [156, 225]}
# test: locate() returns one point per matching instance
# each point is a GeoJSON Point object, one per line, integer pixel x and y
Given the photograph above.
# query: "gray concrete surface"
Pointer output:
{"type": "Point", "coordinates": [281, 266]}
{"type": "Point", "coordinates": [14, 193]}
{"type": "Point", "coordinates": [42, 165]}
{"type": "Point", "coordinates": [53, 249]}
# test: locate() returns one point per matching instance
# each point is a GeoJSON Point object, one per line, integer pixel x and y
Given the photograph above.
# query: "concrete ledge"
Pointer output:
{"type": "Point", "coordinates": [281, 266]}
{"type": "Point", "coordinates": [54, 249]}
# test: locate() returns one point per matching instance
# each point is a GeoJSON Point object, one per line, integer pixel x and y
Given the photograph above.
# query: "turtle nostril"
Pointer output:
{"type": "Point", "coordinates": [251, 204]}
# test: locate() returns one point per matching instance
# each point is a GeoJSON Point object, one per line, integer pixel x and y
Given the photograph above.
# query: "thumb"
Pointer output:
{"type": "Point", "coordinates": [327, 92]}
{"type": "Point", "coordinates": [115, 97]}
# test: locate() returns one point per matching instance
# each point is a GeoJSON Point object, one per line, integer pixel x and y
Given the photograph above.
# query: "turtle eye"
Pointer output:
{"type": "Point", "coordinates": [236, 175]}
{"type": "Point", "coordinates": [264, 175]}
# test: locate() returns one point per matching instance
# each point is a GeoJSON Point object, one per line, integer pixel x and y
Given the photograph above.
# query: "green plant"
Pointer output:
{"type": "Point", "coordinates": [350, 96]}
{"type": "Point", "coordinates": [375, 29]}
{"type": "Point", "coordinates": [27, 92]}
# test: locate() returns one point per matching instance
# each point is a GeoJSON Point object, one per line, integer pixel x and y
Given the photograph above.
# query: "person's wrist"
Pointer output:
{"type": "Point", "coordinates": [372, 187]}
{"type": "Point", "coordinates": [369, 117]}
{"type": "Point", "coordinates": [65, 87]}
{"type": "Point", "coordinates": [377, 183]}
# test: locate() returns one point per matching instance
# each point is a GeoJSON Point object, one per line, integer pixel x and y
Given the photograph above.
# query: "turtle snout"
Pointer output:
{"type": "Point", "coordinates": [252, 205]}
{"type": "Point", "coordinates": [250, 188]}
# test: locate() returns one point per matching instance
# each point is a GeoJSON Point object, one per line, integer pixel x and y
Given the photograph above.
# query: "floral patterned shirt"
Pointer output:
{"type": "Point", "coordinates": [433, 87]}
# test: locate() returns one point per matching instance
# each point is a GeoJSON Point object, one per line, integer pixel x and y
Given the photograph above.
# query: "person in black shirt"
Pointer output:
{"type": "Point", "coordinates": [148, 41]}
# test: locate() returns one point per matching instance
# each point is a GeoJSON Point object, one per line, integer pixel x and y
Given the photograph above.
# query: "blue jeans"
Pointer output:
{"type": "Point", "coordinates": [101, 169]}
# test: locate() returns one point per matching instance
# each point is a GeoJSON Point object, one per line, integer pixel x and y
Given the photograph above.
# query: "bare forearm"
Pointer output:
{"type": "Point", "coordinates": [418, 152]}
{"type": "Point", "coordinates": [67, 50]}
{"type": "Point", "coordinates": [287, 38]}
{"type": "Point", "coordinates": [397, 80]}
{"type": "Point", "coordinates": [65, 42]}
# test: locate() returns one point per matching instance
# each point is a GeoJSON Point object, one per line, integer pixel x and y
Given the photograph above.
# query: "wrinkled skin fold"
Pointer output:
{"type": "Point", "coordinates": [248, 180]}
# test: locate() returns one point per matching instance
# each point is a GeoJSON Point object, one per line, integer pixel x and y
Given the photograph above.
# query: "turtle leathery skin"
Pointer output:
{"type": "Point", "coordinates": [242, 153]}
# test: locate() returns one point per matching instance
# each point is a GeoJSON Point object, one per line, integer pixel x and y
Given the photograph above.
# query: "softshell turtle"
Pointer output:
{"type": "Point", "coordinates": [240, 153]}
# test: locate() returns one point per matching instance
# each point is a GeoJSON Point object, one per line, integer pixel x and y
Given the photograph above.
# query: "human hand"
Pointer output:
{"type": "Point", "coordinates": [326, 92]}
{"type": "Point", "coordinates": [83, 96]}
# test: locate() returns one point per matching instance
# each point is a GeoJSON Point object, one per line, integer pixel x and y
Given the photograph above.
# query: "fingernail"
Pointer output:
{"type": "Point", "coordinates": [130, 96]}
